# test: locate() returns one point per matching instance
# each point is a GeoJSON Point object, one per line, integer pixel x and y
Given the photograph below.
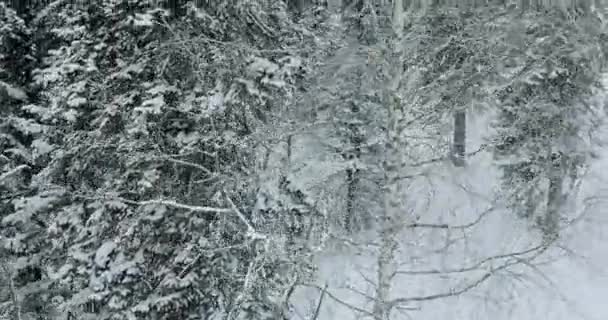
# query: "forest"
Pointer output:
{"type": "Point", "coordinates": [303, 159]}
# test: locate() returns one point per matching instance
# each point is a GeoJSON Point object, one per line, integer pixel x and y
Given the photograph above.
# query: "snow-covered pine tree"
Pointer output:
{"type": "Point", "coordinates": [24, 147]}
{"type": "Point", "coordinates": [544, 110]}
{"type": "Point", "coordinates": [16, 128]}
{"type": "Point", "coordinates": [142, 116]}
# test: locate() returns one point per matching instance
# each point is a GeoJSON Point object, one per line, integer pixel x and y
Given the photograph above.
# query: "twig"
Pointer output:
{"type": "Point", "coordinates": [200, 255]}
{"type": "Point", "coordinates": [284, 307]}
{"type": "Point", "coordinates": [515, 261]}
{"type": "Point", "coordinates": [318, 308]}
{"type": "Point", "coordinates": [366, 279]}
{"type": "Point", "coordinates": [244, 290]}
{"type": "Point", "coordinates": [552, 284]}
{"type": "Point", "coordinates": [445, 158]}
{"type": "Point", "coordinates": [184, 163]}
{"type": "Point", "coordinates": [361, 293]}
{"type": "Point", "coordinates": [453, 292]}
{"type": "Point", "coordinates": [448, 226]}
{"type": "Point", "coordinates": [13, 291]}
{"type": "Point", "coordinates": [473, 267]}
{"type": "Point", "coordinates": [338, 300]}
{"type": "Point", "coordinates": [353, 243]}
{"type": "Point", "coordinates": [250, 229]}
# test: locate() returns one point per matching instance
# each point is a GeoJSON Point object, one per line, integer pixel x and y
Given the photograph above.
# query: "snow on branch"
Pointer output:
{"type": "Point", "coordinates": [250, 229]}
{"type": "Point", "coordinates": [175, 204]}
{"type": "Point", "coordinates": [251, 232]}
{"type": "Point", "coordinates": [13, 172]}
{"type": "Point", "coordinates": [13, 92]}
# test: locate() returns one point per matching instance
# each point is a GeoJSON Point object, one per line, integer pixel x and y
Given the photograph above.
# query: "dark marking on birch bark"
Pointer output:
{"type": "Point", "coordinates": [459, 142]}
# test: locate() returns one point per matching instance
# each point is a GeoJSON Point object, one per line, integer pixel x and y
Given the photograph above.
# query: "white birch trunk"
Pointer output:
{"type": "Point", "coordinates": [397, 16]}
{"type": "Point", "coordinates": [386, 264]}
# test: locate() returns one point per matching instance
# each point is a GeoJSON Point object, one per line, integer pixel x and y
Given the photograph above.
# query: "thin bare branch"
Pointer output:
{"type": "Point", "coordinates": [315, 315]}
{"type": "Point", "coordinates": [338, 300]}
{"type": "Point", "coordinates": [12, 290]}
{"type": "Point", "coordinates": [361, 293]}
{"type": "Point", "coordinates": [198, 257]}
{"type": "Point", "coordinates": [354, 243]}
{"type": "Point", "coordinates": [250, 229]}
{"type": "Point", "coordinates": [185, 163]}
{"type": "Point", "coordinates": [366, 278]}
{"type": "Point", "coordinates": [446, 158]}
{"type": "Point", "coordinates": [515, 260]}
{"type": "Point", "coordinates": [448, 226]}
{"type": "Point", "coordinates": [556, 289]}
{"type": "Point", "coordinates": [454, 292]}
{"type": "Point", "coordinates": [474, 267]}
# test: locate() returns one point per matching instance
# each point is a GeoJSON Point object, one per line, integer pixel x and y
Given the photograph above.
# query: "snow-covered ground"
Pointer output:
{"type": "Point", "coordinates": [574, 285]}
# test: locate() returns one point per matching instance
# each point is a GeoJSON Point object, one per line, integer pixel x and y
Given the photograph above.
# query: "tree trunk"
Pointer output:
{"type": "Point", "coordinates": [459, 141]}
{"type": "Point", "coordinates": [386, 264]}
{"type": "Point", "coordinates": [386, 268]}
{"type": "Point", "coordinates": [352, 179]}
{"type": "Point", "coordinates": [391, 215]}
{"type": "Point", "coordinates": [297, 6]}
{"type": "Point", "coordinates": [352, 5]}
{"type": "Point", "coordinates": [551, 223]}
{"type": "Point", "coordinates": [176, 8]}
{"type": "Point", "coordinates": [398, 16]}
{"type": "Point", "coordinates": [19, 6]}
{"type": "Point", "coordinates": [584, 6]}
{"type": "Point", "coordinates": [554, 199]}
